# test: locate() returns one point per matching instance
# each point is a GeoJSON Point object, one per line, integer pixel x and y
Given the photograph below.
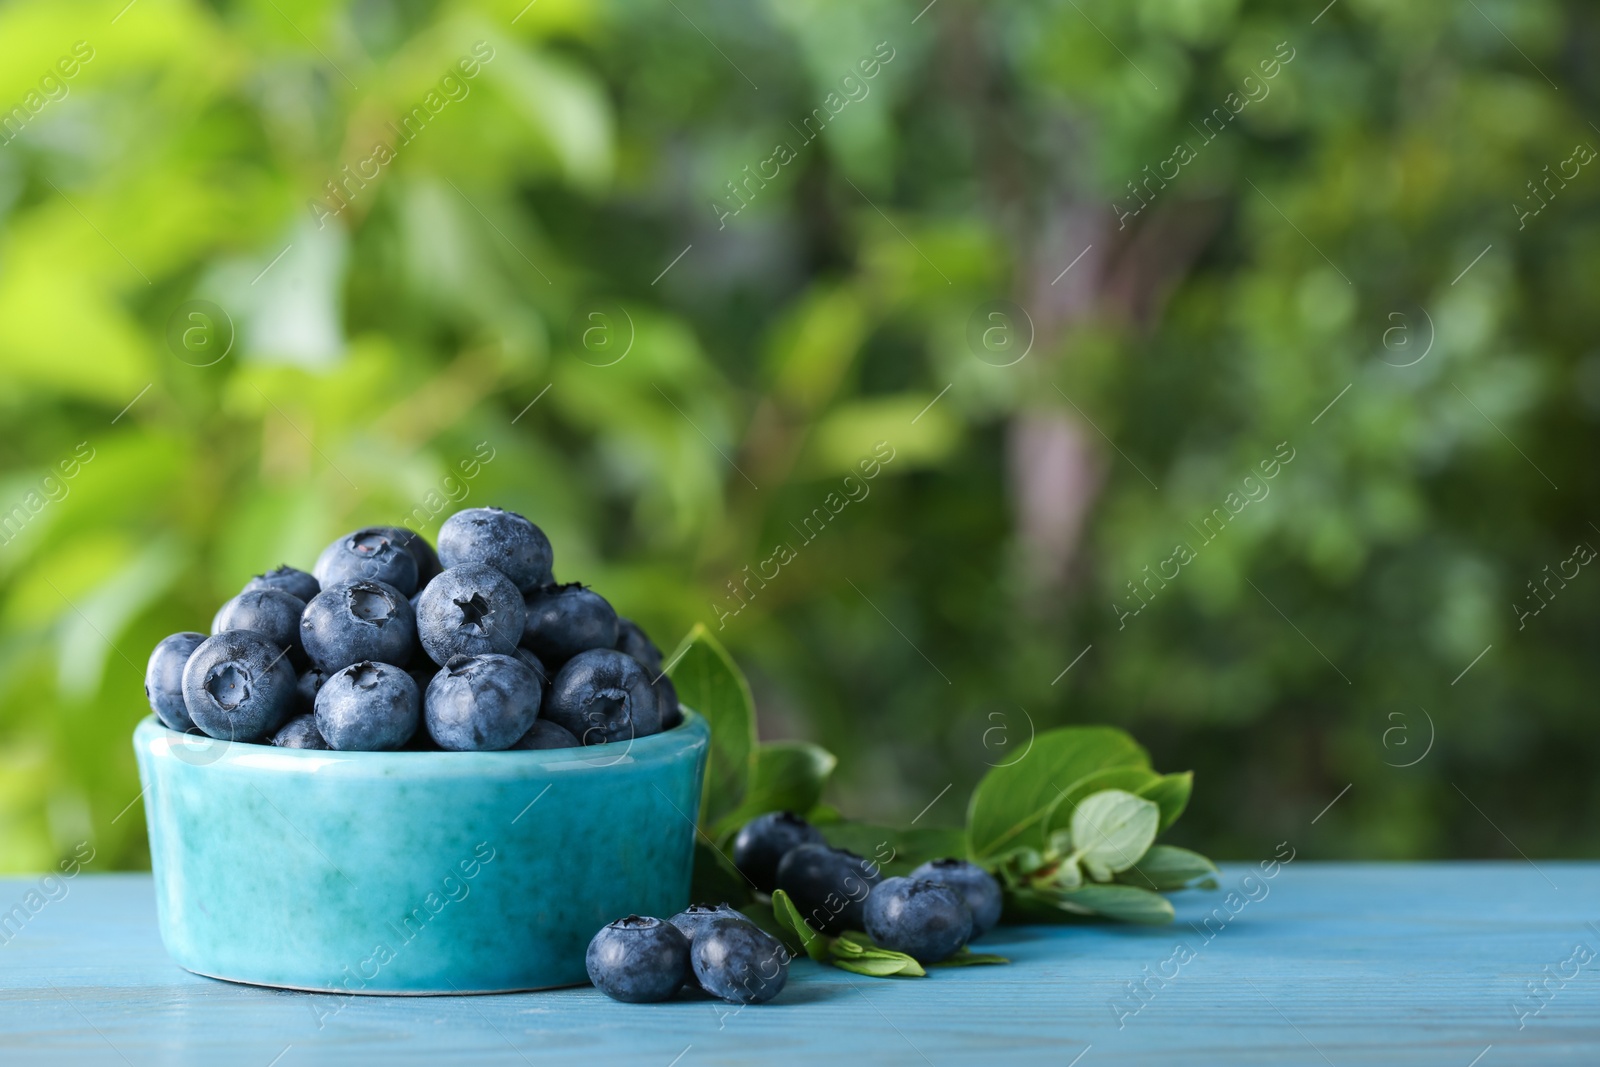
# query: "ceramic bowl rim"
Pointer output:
{"type": "Point", "coordinates": [152, 736]}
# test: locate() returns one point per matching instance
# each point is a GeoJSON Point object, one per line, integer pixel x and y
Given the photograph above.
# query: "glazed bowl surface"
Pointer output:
{"type": "Point", "coordinates": [413, 872]}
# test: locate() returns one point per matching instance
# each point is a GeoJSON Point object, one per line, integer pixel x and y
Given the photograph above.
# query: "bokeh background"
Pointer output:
{"type": "Point", "coordinates": [724, 264]}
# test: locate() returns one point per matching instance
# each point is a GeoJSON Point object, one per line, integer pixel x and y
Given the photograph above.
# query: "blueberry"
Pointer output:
{"type": "Point", "coordinates": [354, 621]}
{"type": "Point", "coordinates": [667, 701]}
{"type": "Point", "coordinates": [419, 549]}
{"type": "Point", "coordinates": [481, 703]}
{"type": "Point", "coordinates": [300, 732]}
{"type": "Point", "coordinates": [564, 620]}
{"type": "Point", "coordinates": [632, 640]}
{"type": "Point", "coordinates": [294, 582]}
{"type": "Point", "coordinates": [828, 885]}
{"type": "Point", "coordinates": [238, 686]}
{"type": "Point", "coordinates": [305, 690]}
{"type": "Point", "coordinates": [739, 962]}
{"type": "Point", "coordinates": [976, 886]}
{"type": "Point", "coordinates": [368, 707]}
{"type": "Point", "coordinates": [371, 555]}
{"type": "Point", "coordinates": [928, 921]}
{"type": "Point", "coordinates": [546, 734]}
{"type": "Point", "coordinates": [163, 679]}
{"type": "Point", "coordinates": [696, 917]}
{"type": "Point", "coordinates": [266, 611]}
{"type": "Point", "coordinates": [603, 695]}
{"type": "Point", "coordinates": [763, 842]}
{"type": "Point", "coordinates": [638, 960]}
{"type": "Point", "coordinates": [470, 610]}
{"type": "Point", "coordinates": [503, 539]}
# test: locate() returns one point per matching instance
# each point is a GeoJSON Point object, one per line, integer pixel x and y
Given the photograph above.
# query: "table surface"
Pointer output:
{"type": "Point", "coordinates": [1463, 964]}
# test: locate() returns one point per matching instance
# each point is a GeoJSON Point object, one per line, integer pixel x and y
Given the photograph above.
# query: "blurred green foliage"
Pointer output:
{"type": "Point", "coordinates": [570, 203]}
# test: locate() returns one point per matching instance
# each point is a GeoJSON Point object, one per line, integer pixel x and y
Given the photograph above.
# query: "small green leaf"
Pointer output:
{"type": "Point", "coordinates": [882, 967]}
{"type": "Point", "coordinates": [1131, 779]}
{"type": "Point", "coordinates": [1010, 804]}
{"type": "Point", "coordinates": [708, 681]}
{"type": "Point", "coordinates": [857, 950]}
{"type": "Point", "coordinates": [1112, 829]}
{"type": "Point", "coordinates": [796, 932]}
{"type": "Point", "coordinates": [1167, 867]}
{"type": "Point", "coordinates": [1171, 794]}
{"type": "Point", "coordinates": [968, 958]}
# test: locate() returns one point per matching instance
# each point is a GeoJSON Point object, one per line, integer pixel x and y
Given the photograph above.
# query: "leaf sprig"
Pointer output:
{"type": "Point", "coordinates": [1069, 830]}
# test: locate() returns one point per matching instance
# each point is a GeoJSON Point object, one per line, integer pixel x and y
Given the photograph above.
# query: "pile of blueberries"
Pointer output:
{"type": "Point", "coordinates": [388, 644]}
{"type": "Point", "coordinates": [712, 947]}
{"type": "Point", "coordinates": [929, 915]}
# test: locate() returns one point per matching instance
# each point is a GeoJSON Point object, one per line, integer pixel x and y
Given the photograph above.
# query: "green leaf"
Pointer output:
{"type": "Point", "coordinates": [1010, 804]}
{"type": "Point", "coordinates": [1167, 867]}
{"type": "Point", "coordinates": [708, 681]}
{"type": "Point", "coordinates": [1132, 779]}
{"type": "Point", "coordinates": [1126, 902]}
{"type": "Point", "coordinates": [796, 932]}
{"type": "Point", "coordinates": [788, 776]}
{"type": "Point", "coordinates": [881, 966]}
{"type": "Point", "coordinates": [1171, 794]}
{"type": "Point", "coordinates": [1112, 829]}
{"type": "Point", "coordinates": [968, 958]}
{"type": "Point", "coordinates": [896, 851]}
{"type": "Point", "coordinates": [857, 948]}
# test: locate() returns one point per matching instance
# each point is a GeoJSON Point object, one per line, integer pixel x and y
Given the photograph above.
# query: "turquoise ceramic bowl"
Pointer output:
{"type": "Point", "coordinates": [412, 872]}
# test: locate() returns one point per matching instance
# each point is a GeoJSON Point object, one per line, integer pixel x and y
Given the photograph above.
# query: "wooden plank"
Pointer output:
{"type": "Point", "coordinates": [1329, 964]}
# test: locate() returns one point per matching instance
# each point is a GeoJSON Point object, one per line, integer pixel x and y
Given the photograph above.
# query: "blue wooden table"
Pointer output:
{"type": "Point", "coordinates": [1460, 964]}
